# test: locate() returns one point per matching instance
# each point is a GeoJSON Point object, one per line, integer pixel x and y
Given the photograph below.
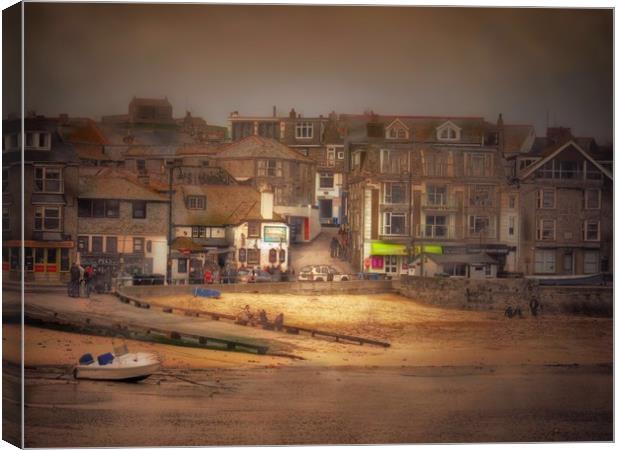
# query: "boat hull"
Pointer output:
{"type": "Point", "coordinates": [131, 367]}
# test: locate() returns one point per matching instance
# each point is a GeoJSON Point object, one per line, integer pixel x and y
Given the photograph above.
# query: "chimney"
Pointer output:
{"type": "Point", "coordinates": [266, 205]}
{"type": "Point", "coordinates": [292, 114]}
{"type": "Point", "coordinates": [274, 111]}
{"type": "Point", "coordinates": [558, 134]}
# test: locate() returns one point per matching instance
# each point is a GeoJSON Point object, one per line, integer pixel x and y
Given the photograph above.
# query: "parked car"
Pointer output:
{"type": "Point", "coordinates": [260, 276]}
{"type": "Point", "coordinates": [321, 272]}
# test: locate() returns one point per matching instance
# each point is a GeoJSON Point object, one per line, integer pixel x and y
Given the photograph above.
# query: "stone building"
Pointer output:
{"type": "Point", "coordinates": [122, 225]}
{"type": "Point", "coordinates": [565, 206]}
{"type": "Point", "coordinates": [319, 138]}
{"type": "Point", "coordinates": [271, 166]}
{"type": "Point", "coordinates": [49, 200]}
{"type": "Point", "coordinates": [218, 226]}
{"type": "Point", "coordinates": [425, 185]}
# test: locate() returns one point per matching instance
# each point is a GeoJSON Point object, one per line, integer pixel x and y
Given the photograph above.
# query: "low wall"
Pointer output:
{"type": "Point", "coordinates": [498, 294]}
{"type": "Point", "coordinates": [294, 287]}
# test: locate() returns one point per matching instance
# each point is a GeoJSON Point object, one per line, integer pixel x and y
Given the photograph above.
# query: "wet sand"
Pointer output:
{"type": "Point", "coordinates": [303, 405]}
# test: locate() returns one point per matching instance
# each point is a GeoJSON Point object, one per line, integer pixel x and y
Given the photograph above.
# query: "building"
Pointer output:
{"type": "Point", "coordinates": [122, 225]}
{"type": "Point", "coordinates": [50, 196]}
{"type": "Point", "coordinates": [217, 226]}
{"type": "Point", "coordinates": [271, 166]}
{"type": "Point", "coordinates": [565, 187]}
{"type": "Point", "coordinates": [319, 138]}
{"type": "Point", "coordinates": [423, 185]}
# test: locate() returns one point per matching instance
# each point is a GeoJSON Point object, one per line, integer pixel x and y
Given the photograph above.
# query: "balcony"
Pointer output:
{"type": "Point", "coordinates": [439, 202]}
{"type": "Point", "coordinates": [425, 231]}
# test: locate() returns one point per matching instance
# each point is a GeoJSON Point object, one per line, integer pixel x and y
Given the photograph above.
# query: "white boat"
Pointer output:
{"type": "Point", "coordinates": [118, 366]}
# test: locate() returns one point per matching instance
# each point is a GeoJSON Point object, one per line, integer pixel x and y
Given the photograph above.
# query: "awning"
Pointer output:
{"type": "Point", "coordinates": [387, 249]}
{"type": "Point", "coordinates": [185, 244]}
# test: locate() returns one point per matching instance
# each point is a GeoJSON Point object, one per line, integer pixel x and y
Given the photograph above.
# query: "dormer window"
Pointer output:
{"type": "Point", "coordinates": [304, 130]}
{"type": "Point", "coordinates": [196, 202]}
{"type": "Point", "coordinates": [448, 132]}
{"type": "Point", "coordinates": [397, 130]}
{"type": "Point", "coordinates": [36, 140]}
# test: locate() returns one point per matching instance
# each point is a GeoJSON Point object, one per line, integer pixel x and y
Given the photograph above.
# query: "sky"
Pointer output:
{"type": "Point", "coordinates": [536, 66]}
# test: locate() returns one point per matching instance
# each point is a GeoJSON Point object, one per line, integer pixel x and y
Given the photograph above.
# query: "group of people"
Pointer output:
{"type": "Point", "coordinates": [81, 280]}
{"type": "Point", "coordinates": [248, 317]}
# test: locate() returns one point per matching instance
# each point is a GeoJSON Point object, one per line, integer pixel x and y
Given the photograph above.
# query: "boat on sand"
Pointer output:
{"type": "Point", "coordinates": [121, 365]}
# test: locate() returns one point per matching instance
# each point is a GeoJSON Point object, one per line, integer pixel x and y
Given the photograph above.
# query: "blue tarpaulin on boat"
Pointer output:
{"type": "Point", "coordinates": [104, 359]}
{"type": "Point", "coordinates": [86, 359]}
{"type": "Point", "coordinates": [202, 292]}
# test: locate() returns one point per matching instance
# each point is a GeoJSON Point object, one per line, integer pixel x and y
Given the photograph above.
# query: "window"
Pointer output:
{"type": "Point", "coordinates": [447, 133]}
{"type": "Point", "coordinates": [512, 201]}
{"type": "Point", "coordinates": [282, 254]}
{"type": "Point", "coordinates": [436, 195]}
{"type": "Point", "coordinates": [455, 270]}
{"type": "Point", "coordinates": [242, 255]}
{"type": "Point", "coordinates": [138, 245]}
{"type": "Point", "coordinates": [196, 202]}
{"type": "Point", "coordinates": [37, 140]}
{"type": "Point", "coordinates": [141, 165]}
{"type": "Point", "coordinates": [82, 244]}
{"type": "Point", "coordinates": [98, 208]}
{"type": "Point", "coordinates": [47, 218]}
{"type": "Point", "coordinates": [48, 179]}
{"type": "Point", "coordinates": [340, 155]}
{"type": "Point", "coordinates": [111, 244]}
{"type": "Point", "coordinates": [394, 224]}
{"type": "Point", "coordinates": [200, 232]}
{"type": "Point", "coordinates": [591, 230]}
{"type": "Point", "coordinates": [478, 164]}
{"type": "Point", "coordinates": [544, 261]}
{"type": "Point", "coordinates": [304, 130]}
{"type": "Point", "coordinates": [560, 169]}
{"type": "Point", "coordinates": [331, 156]}
{"type": "Point", "coordinates": [97, 244]}
{"type": "Point", "coordinates": [436, 226]}
{"type": "Point", "coordinates": [357, 159]}
{"type": "Point", "coordinates": [480, 225]}
{"type": "Point", "coordinates": [511, 225]}
{"type": "Point", "coordinates": [394, 193]}
{"type": "Point", "coordinates": [269, 168]}
{"type": "Point", "coordinates": [326, 180]}
{"type": "Point", "coordinates": [253, 229]}
{"type": "Point", "coordinates": [397, 132]}
{"type": "Point", "coordinates": [591, 262]}
{"type": "Point", "coordinates": [546, 230]}
{"type": "Point", "coordinates": [51, 256]}
{"type": "Point", "coordinates": [546, 198]}
{"type": "Point", "coordinates": [481, 195]}
{"type": "Point", "coordinates": [593, 198]}
{"type": "Point", "coordinates": [593, 173]}
{"type": "Point", "coordinates": [436, 165]}
{"type": "Point", "coordinates": [182, 265]}
{"type": "Point", "coordinates": [393, 161]}
{"type": "Point", "coordinates": [149, 246]}
{"type": "Point", "coordinates": [253, 256]}
{"type": "Point", "coordinates": [64, 260]}
{"type": "Point", "coordinates": [138, 209]}
{"type": "Point", "coordinates": [6, 219]}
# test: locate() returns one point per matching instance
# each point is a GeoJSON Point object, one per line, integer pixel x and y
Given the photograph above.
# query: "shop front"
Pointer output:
{"type": "Point", "coordinates": [392, 259]}
{"type": "Point", "coordinates": [44, 261]}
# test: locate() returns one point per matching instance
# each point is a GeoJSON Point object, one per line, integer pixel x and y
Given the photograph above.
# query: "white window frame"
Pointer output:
{"type": "Point", "coordinates": [40, 212]}
{"type": "Point", "coordinates": [598, 204]}
{"type": "Point", "coordinates": [196, 202]}
{"type": "Point", "coordinates": [387, 193]}
{"type": "Point", "coordinates": [36, 140]}
{"type": "Point", "coordinates": [540, 231]}
{"type": "Point", "coordinates": [486, 188]}
{"type": "Point", "coordinates": [591, 262]}
{"type": "Point", "coordinates": [304, 130]}
{"type": "Point", "coordinates": [448, 132]}
{"type": "Point", "coordinates": [325, 176]}
{"type": "Point", "coordinates": [387, 223]}
{"type": "Point", "coordinates": [331, 156]}
{"type": "Point", "coordinates": [45, 170]}
{"type": "Point", "coordinates": [489, 231]}
{"type": "Point", "coordinates": [545, 261]}
{"type": "Point", "coordinates": [540, 200]}
{"type": "Point", "coordinates": [264, 168]}
{"type": "Point", "coordinates": [585, 230]}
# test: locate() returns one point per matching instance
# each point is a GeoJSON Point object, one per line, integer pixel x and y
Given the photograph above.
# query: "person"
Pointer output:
{"type": "Point", "coordinates": [279, 322]}
{"type": "Point", "coordinates": [74, 284]}
{"type": "Point", "coordinates": [81, 285]}
{"type": "Point", "coordinates": [208, 277]}
{"type": "Point", "coordinates": [262, 317]}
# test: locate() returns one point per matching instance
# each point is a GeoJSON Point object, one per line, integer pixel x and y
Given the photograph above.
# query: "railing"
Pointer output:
{"type": "Point", "coordinates": [434, 231]}
{"type": "Point", "coordinates": [438, 202]}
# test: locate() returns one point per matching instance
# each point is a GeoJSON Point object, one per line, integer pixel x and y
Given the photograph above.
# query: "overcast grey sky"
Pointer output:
{"type": "Point", "coordinates": [90, 59]}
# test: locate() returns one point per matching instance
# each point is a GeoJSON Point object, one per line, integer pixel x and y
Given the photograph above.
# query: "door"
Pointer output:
{"type": "Point", "coordinates": [391, 264]}
{"type": "Point", "coordinates": [325, 209]}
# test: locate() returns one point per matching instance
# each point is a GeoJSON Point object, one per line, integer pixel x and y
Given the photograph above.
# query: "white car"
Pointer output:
{"type": "Point", "coordinates": [321, 272]}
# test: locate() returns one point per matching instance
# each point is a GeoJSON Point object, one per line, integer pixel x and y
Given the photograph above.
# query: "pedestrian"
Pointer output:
{"type": "Point", "coordinates": [74, 284]}
{"type": "Point", "coordinates": [208, 277]}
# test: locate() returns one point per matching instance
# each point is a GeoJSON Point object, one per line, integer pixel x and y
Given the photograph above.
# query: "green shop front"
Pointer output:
{"type": "Point", "coordinates": [392, 259]}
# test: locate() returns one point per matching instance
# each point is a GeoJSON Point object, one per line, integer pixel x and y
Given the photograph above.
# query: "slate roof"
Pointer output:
{"type": "Point", "coordinates": [518, 138]}
{"type": "Point", "coordinates": [117, 184]}
{"type": "Point", "coordinates": [226, 205]}
{"type": "Point", "coordinates": [260, 147]}
{"type": "Point", "coordinates": [144, 134]}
